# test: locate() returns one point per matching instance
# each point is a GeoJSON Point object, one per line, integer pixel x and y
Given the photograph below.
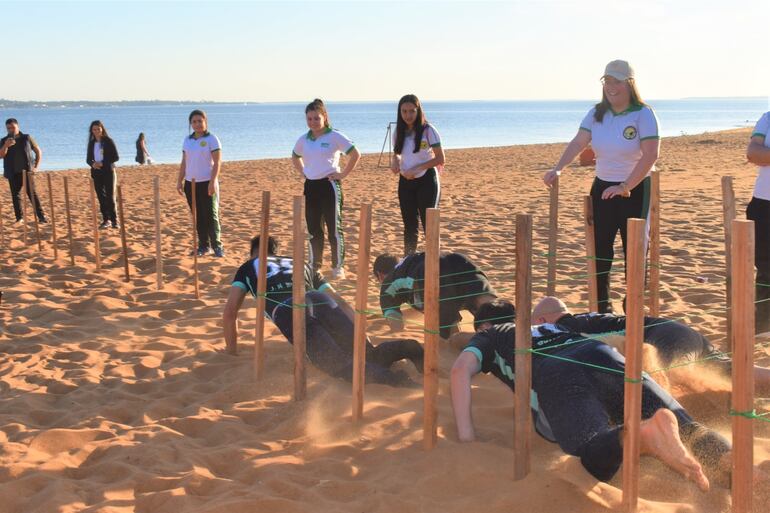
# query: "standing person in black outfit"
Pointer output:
{"type": "Point", "coordinates": [142, 155]}
{"type": "Point", "coordinates": [101, 156]}
{"type": "Point", "coordinates": [417, 157]}
{"type": "Point", "coordinates": [316, 156]}
{"type": "Point", "coordinates": [463, 286]}
{"type": "Point", "coordinates": [623, 132]}
{"type": "Point", "coordinates": [20, 152]}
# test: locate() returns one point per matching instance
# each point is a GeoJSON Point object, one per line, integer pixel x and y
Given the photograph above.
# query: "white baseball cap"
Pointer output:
{"type": "Point", "coordinates": [618, 69]}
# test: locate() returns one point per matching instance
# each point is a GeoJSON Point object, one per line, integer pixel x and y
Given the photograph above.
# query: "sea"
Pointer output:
{"type": "Point", "coordinates": [269, 130]}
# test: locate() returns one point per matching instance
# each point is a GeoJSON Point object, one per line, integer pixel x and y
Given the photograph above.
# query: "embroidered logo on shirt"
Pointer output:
{"type": "Point", "coordinates": [424, 145]}
{"type": "Point", "coordinates": [203, 143]}
{"type": "Point", "coordinates": [629, 132]}
{"type": "Point", "coordinates": [324, 145]}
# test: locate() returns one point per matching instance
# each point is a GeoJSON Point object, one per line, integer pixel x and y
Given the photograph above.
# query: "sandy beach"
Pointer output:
{"type": "Point", "coordinates": [116, 397]}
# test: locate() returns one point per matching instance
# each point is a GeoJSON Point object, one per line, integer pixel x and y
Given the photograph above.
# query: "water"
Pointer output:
{"type": "Point", "coordinates": [270, 130]}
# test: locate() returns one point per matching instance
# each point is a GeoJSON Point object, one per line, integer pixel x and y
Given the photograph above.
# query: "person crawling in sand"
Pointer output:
{"type": "Point", "coordinates": [578, 400]}
{"type": "Point", "coordinates": [674, 341]}
{"type": "Point", "coordinates": [463, 286]}
{"type": "Point", "coordinates": [329, 328]}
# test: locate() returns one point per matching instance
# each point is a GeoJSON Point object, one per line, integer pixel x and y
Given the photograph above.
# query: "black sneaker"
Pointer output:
{"type": "Point", "coordinates": [115, 224]}
{"type": "Point", "coordinates": [219, 252]}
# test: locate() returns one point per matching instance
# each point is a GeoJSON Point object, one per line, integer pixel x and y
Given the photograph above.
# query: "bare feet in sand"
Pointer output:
{"type": "Point", "coordinates": [660, 438]}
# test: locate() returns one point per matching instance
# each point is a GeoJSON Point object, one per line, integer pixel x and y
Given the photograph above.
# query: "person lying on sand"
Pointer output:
{"type": "Point", "coordinates": [578, 401]}
{"type": "Point", "coordinates": [674, 341]}
{"type": "Point", "coordinates": [463, 286]}
{"type": "Point", "coordinates": [329, 329]}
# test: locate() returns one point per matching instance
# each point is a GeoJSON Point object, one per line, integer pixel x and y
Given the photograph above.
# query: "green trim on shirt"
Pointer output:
{"type": "Point", "coordinates": [650, 137]}
{"type": "Point", "coordinates": [475, 351]}
{"type": "Point", "coordinates": [586, 129]}
{"type": "Point", "coordinates": [295, 154]}
{"type": "Point", "coordinates": [240, 285]}
{"type": "Point", "coordinates": [631, 108]}
{"type": "Point", "coordinates": [310, 133]}
{"type": "Point", "coordinates": [436, 145]}
{"type": "Point", "coordinates": [758, 134]}
{"type": "Point", "coordinates": [350, 149]}
{"type": "Point", "coordinates": [324, 287]}
{"type": "Point", "coordinates": [387, 313]}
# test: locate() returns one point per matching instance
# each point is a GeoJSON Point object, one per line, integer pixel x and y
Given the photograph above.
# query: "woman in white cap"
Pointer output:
{"type": "Point", "coordinates": [758, 211]}
{"type": "Point", "coordinates": [623, 131]}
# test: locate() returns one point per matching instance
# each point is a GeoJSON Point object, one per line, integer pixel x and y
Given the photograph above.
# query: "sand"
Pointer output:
{"type": "Point", "coordinates": [116, 397]}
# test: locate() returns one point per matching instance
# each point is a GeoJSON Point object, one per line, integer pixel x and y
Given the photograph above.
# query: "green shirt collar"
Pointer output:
{"type": "Point", "coordinates": [310, 133]}
{"type": "Point", "coordinates": [631, 108]}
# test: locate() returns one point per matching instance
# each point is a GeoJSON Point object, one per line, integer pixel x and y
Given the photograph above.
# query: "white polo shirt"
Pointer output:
{"type": "Point", "coordinates": [321, 156]}
{"type": "Point", "coordinates": [762, 185]}
{"type": "Point", "coordinates": [430, 140]}
{"type": "Point", "coordinates": [198, 159]}
{"type": "Point", "coordinates": [617, 140]}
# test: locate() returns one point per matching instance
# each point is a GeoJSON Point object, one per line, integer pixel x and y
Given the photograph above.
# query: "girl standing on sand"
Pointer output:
{"type": "Point", "coordinates": [201, 160]}
{"type": "Point", "coordinates": [417, 155]}
{"type": "Point", "coordinates": [142, 155]}
{"type": "Point", "coordinates": [758, 211]}
{"type": "Point", "coordinates": [623, 132]}
{"type": "Point", "coordinates": [316, 156]}
{"type": "Point", "coordinates": [101, 156]}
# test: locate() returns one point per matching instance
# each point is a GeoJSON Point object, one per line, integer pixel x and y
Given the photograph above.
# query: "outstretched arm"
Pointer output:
{"type": "Point", "coordinates": [578, 144]}
{"type": "Point", "coordinates": [465, 367]}
{"type": "Point", "coordinates": [230, 318]}
{"type": "Point", "coordinates": [757, 152]}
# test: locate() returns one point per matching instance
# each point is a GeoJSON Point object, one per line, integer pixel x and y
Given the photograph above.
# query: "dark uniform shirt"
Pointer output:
{"type": "Point", "coordinates": [279, 280]}
{"type": "Point", "coordinates": [18, 157]}
{"type": "Point", "coordinates": [460, 283]}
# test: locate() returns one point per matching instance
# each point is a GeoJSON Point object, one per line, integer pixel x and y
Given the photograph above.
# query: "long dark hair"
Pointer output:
{"type": "Point", "coordinates": [318, 106]}
{"type": "Point", "coordinates": [141, 137]}
{"type": "Point", "coordinates": [105, 135]}
{"type": "Point", "coordinates": [419, 124]}
{"type": "Point", "coordinates": [603, 106]}
{"type": "Point", "coordinates": [197, 112]}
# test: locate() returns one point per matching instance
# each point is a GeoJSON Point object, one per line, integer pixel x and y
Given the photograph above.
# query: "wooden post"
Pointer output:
{"type": "Point", "coordinates": [123, 232]}
{"type": "Point", "coordinates": [31, 185]}
{"type": "Point", "coordinates": [593, 295]}
{"type": "Point", "coordinates": [158, 254]}
{"type": "Point", "coordinates": [431, 298]}
{"type": "Point", "coordinates": [2, 230]}
{"type": "Point", "coordinates": [53, 217]}
{"type": "Point", "coordinates": [69, 220]}
{"type": "Point", "coordinates": [728, 214]}
{"type": "Point", "coordinates": [195, 239]}
{"type": "Point", "coordinates": [655, 245]}
{"type": "Point", "coordinates": [522, 414]}
{"type": "Point", "coordinates": [553, 237]}
{"type": "Point", "coordinates": [632, 408]}
{"type": "Point", "coordinates": [24, 204]}
{"type": "Point", "coordinates": [362, 288]}
{"type": "Point", "coordinates": [742, 313]}
{"type": "Point", "coordinates": [259, 351]}
{"type": "Point", "coordinates": [298, 299]}
{"type": "Point", "coordinates": [97, 249]}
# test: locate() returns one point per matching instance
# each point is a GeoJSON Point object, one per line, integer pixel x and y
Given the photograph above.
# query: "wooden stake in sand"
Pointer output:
{"type": "Point", "coordinates": [632, 408]}
{"type": "Point", "coordinates": [742, 313]}
{"type": "Point", "coordinates": [588, 212]}
{"type": "Point", "coordinates": [431, 298]}
{"type": "Point", "coordinates": [655, 245]}
{"type": "Point", "coordinates": [123, 232]}
{"type": "Point", "coordinates": [97, 251]}
{"type": "Point", "coordinates": [158, 254]}
{"type": "Point", "coordinates": [298, 300]}
{"type": "Point", "coordinates": [728, 214]}
{"type": "Point", "coordinates": [53, 217]}
{"type": "Point", "coordinates": [31, 185]}
{"type": "Point", "coordinates": [195, 239]}
{"type": "Point", "coordinates": [69, 220]}
{"type": "Point", "coordinates": [24, 205]}
{"type": "Point", "coordinates": [522, 414]}
{"type": "Point", "coordinates": [2, 230]}
{"type": "Point", "coordinates": [259, 350]}
{"type": "Point", "coordinates": [553, 237]}
{"type": "Point", "coordinates": [362, 288]}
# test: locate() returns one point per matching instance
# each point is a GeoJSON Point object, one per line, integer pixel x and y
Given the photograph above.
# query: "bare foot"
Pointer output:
{"type": "Point", "coordinates": [660, 438]}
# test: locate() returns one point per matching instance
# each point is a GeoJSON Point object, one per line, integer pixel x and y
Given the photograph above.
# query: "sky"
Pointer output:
{"type": "Point", "coordinates": [296, 51]}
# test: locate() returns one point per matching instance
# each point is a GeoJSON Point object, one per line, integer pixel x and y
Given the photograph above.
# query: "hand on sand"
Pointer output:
{"type": "Point", "coordinates": [659, 437]}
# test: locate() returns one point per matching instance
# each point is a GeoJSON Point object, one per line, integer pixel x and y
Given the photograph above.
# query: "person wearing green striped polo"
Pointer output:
{"type": "Point", "coordinates": [624, 134]}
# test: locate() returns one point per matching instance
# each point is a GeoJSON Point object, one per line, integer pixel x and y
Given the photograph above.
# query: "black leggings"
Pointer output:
{"type": "Point", "coordinates": [677, 343]}
{"type": "Point", "coordinates": [329, 334]}
{"type": "Point", "coordinates": [415, 197]}
{"type": "Point", "coordinates": [323, 205]}
{"type": "Point", "coordinates": [16, 183]}
{"type": "Point", "coordinates": [207, 213]}
{"type": "Point", "coordinates": [584, 406]}
{"type": "Point", "coordinates": [611, 216]}
{"type": "Point", "coordinates": [759, 212]}
{"type": "Point", "coordinates": [104, 186]}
